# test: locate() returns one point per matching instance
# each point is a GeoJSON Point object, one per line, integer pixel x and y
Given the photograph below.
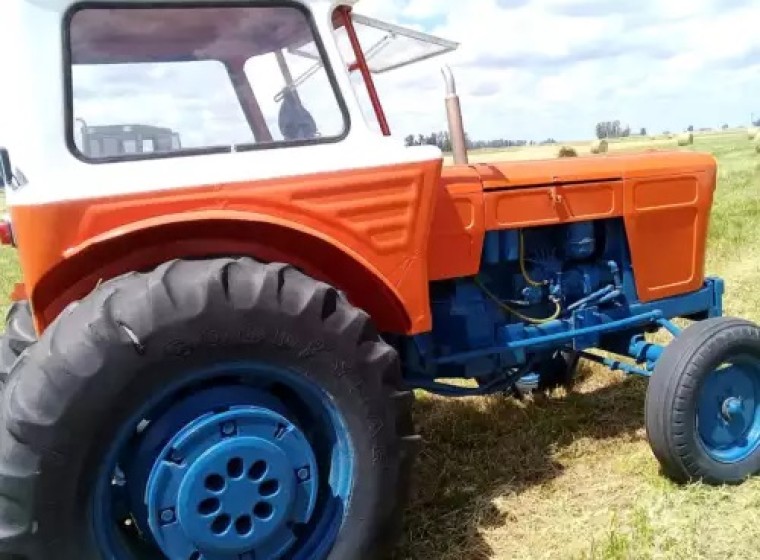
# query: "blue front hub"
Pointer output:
{"type": "Point", "coordinates": [728, 412]}
{"type": "Point", "coordinates": [232, 485]}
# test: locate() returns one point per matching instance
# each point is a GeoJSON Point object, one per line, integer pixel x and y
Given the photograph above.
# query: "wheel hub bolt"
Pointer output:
{"type": "Point", "coordinates": [732, 406]}
{"type": "Point", "coordinates": [167, 516]}
{"type": "Point", "coordinates": [228, 428]}
{"type": "Point", "coordinates": [303, 474]}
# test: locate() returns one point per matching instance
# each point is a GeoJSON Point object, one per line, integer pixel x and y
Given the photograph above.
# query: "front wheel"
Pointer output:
{"type": "Point", "coordinates": [218, 410]}
{"type": "Point", "coordinates": [703, 403]}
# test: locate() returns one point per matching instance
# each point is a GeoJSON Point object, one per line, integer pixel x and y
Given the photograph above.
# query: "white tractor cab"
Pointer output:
{"type": "Point", "coordinates": [129, 81]}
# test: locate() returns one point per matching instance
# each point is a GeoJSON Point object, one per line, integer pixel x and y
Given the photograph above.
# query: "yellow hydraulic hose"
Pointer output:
{"type": "Point", "coordinates": [509, 309]}
{"type": "Point", "coordinates": [530, 281]}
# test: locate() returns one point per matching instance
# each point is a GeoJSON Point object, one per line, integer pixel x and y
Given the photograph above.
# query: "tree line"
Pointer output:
{"type": "Point", "coordinates": [442, 140]}
{"type": "Point", "coordinates": [612, 129]}
{"type": "Point", "coordinates": [604, 130]}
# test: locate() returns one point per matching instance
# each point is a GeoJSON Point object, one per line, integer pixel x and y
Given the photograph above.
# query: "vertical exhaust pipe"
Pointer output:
{"type": "Point", "coordinates": [454, 117]}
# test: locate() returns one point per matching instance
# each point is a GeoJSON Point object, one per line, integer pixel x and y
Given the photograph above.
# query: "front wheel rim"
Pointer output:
{"type": "Point", "coordinates": [728, 411]}
{"type": "Point", "coordinates": [273, 438]}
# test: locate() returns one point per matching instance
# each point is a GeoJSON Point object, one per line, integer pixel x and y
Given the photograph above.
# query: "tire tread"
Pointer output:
{"type": "Point", "coordinates": [176, 291]}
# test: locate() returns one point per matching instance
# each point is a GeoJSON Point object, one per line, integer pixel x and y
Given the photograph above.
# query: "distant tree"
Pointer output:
{"type": "Point", "coordinates": [609, 129]}
{"type": "Point", "coordinates": [690, 129]}
{"type": "Point", "coordinates": [626, 132]}
{"type": "Point", "coordinates": [725, 127]}
{"type": "Point", "coordinates": [643, 131]}
{"type": "Point", "coordinates": [443, 141]}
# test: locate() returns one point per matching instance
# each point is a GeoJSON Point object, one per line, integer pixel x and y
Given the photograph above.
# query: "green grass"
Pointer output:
{"type": "Point", "coordinates": [571, 475]}
{"type": "Point", "coordinates": [9, 269]}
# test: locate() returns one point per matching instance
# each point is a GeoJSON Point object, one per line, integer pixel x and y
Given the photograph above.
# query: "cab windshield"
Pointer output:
{"type": "Point", "coordinates": [146, 82]}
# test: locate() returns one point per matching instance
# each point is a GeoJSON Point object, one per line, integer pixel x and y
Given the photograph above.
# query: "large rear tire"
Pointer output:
{"type": "Point", "coordinates": [18, 336]}
{"type": "Point", "coordinates": [703, 403]}
{"type": "Point", "coordinates": [207, 409]}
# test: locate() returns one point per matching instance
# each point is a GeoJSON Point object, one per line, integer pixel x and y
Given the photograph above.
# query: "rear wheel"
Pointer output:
{"type": "Point", "coordinates": [703, 403]}
{"type": "Point", "coordinates": [18, 336]}
{"type": "Point", "coordinates": [222, 410]}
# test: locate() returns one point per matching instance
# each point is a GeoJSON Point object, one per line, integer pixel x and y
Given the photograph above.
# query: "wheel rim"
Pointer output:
{"type": "Point", "coordinates": [235, 462]}
{"type": "Point", "coordinates": [728, 411]}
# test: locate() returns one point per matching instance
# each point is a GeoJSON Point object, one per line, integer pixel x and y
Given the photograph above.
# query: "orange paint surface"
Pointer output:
{"type": "Point", "coordinates": [667, 222]}
{"type": "Point", "coordinates": [19, 292]}
{"type": "Point", "coordinates": [456, 237]}
{"type": "Point", "coordinates": [364, 231]}
{"type": "Point", "coordinates": [665, 200]}
{"type": "Point", "coordinates": [513, 208]}
{"type": "Point", "coordinates": [380, 234]}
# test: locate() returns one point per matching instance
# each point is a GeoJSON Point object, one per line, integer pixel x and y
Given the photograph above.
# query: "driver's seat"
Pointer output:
{"type": "Point", "coordinates": [295, 122]}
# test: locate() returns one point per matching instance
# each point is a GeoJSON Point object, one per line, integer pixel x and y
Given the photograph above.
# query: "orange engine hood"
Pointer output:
{"type": "Point", "coordinates": [500, 175]}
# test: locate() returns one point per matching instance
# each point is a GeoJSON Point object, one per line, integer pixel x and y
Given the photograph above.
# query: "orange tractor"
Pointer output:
{"type": "Point", "coordinates": [235, 277]}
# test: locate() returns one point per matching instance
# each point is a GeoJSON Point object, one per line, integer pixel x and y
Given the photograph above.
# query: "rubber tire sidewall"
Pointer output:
{"type": "Point", "coordinates": [18, 336]}
{"type": "Point", "coordinates": [75, 390]}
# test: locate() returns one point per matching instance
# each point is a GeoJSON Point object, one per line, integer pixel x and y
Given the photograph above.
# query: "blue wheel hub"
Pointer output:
{"type": "Point", "coordinates": [728, 412]}
{"type": "Point", "coordinates": [231, 484]}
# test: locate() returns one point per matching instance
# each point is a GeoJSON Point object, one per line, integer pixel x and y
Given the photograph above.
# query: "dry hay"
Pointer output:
{"type": "Point", "coordinates": [567, 151]}
{"type": "Point", "coordinates": [752, 132]}
{"type": "Point", "coordinates": [757, 143]}
{"type": "Point", "coordinates": [685, 139]}
{"type": "Point", "coordinates": [599, 147]}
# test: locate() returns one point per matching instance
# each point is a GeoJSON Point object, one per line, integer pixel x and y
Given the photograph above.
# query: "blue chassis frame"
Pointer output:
{"type": "Point", "coordinates": [582, 331]}
{"type": "Point", "coordinates": [612, 319]}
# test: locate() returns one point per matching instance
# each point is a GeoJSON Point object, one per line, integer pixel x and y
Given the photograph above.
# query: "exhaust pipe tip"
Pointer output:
{"type": "Point", "coordinates": [454, 118]}
{"type": "Point", "coordinates": [448, 77]}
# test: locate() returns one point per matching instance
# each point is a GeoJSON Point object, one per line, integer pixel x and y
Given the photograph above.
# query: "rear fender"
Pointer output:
{"type": "Point", "coordinates": [145, 244]}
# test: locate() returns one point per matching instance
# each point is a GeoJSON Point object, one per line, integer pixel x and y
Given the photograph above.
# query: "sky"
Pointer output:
{"type": "Point", "coordinates": [534, 69]}
{"type": "Point", "coordinates": [525, 70]}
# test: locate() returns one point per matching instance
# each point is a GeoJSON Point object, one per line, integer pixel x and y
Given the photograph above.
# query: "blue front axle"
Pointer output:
{"type": "Point", "coordinates": [616, 329]}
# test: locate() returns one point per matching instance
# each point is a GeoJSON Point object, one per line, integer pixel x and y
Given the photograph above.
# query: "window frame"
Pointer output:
{"type": "Point", "coordinates": [184, 151]}
{"type": "Point", "coordinates": [345, 14]}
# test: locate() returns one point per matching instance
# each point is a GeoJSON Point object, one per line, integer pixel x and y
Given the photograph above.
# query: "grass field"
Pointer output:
{"type": "Point", "coordinates": [571, 475]}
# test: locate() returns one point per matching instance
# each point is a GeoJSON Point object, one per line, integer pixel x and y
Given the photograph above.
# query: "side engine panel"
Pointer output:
{"type": "Point", "coordinates": [529, 279]}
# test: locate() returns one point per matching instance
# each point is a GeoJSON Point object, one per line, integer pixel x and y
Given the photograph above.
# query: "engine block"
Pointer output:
{"type": "Point", "coordinates": [540, 293]}
{"type": "Point", "coordinates": [530, 277]}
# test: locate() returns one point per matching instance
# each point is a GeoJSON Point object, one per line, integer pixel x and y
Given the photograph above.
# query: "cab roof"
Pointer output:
{"type": "Point", "coordinates": [105, 36]}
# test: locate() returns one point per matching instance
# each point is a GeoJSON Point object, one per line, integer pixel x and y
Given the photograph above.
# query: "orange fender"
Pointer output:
{"type": "Point", "coordinates": [144, 244]}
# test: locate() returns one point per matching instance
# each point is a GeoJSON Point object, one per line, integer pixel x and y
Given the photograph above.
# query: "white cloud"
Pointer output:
{"type": "Point", "coordinates": [539, 68]}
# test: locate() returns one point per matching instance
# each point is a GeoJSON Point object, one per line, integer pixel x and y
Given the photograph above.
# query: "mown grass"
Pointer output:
{"type": "Point", "coordinates": [9, 269]}
{"type": "Point", "coordinates": [570, 476]}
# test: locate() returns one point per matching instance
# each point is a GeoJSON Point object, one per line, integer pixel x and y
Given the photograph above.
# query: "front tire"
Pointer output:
{"type": "Point", "coordinates": [703, 403]}
{"type": "Point", "coordinates": [150, 414]}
